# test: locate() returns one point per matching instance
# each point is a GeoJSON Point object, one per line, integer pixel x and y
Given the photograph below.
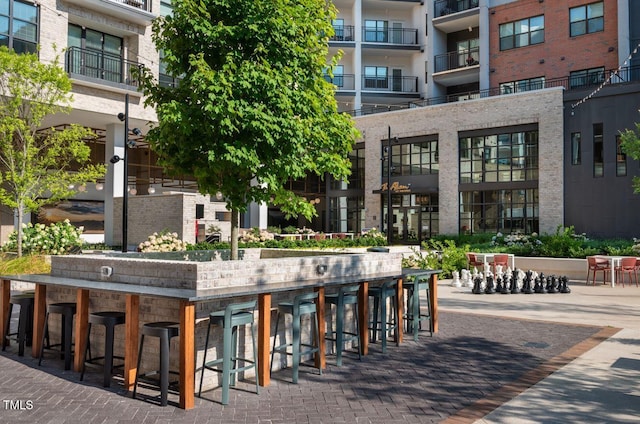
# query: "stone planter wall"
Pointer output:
{"type": "Point", "coordinates": [574, 269]}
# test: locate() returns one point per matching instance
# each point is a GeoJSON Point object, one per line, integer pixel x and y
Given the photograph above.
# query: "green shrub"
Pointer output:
{"type": "Point", "coordinates": [39, 239]}
{"type": "Point", "coordinates": [438, 254]}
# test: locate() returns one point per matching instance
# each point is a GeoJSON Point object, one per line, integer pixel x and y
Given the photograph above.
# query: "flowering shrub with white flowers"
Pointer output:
{"type": "Point", "coordinates": [54, 239]}
{"type": "Point", "coordinates": [636, 245]}
{"type": "Point", "coordinates": [162, 242]}
{"type": "Point", "coordinates": [256, 235]}
{"type": "Point", "coordinates": [512, 240]}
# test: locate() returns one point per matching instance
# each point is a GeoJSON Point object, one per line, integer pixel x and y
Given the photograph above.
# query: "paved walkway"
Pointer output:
{"type": "Point", "coordinates": [490, 353]}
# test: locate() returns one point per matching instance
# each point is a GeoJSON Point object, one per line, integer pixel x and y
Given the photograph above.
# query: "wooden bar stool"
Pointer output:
{"type": "Point", "coordinates": [233, 316]}
{"type": "Point", "coordinates": [24, 332]}
{"type": "Point", "coordinates": [384, 324]}
{"type": "Point", "coordinates": [66, 310]}
{"type": "Point", "coordinates": [110, 319]}
{"type": "Point", "coordinates": [347, 295]}
{"type": "Point", "coordinates": [303, 304]}
{"type": "Point", "coordinates": [165, 331]}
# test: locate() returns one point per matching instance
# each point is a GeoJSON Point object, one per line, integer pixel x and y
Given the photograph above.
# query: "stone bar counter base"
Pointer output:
{"type": "Point", "coordinates": [205, 272]}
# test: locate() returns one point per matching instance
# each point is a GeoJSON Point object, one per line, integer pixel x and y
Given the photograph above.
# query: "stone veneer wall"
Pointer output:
{"type": "Point", "coordinates": [174, 212]}
{"type": "Point", "coordinates": [212, 274]}
{"type": "Point", "coordinates": [204, 275]}
{"type": "Point", "coordinates": [542, 107]}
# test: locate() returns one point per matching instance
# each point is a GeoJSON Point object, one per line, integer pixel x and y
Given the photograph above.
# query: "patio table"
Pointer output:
{"type": "Point", "coordinates": [188, 299]}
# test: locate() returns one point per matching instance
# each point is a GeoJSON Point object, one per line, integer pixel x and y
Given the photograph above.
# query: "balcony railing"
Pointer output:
{"type": "Point", "coordinates": [617, 76]}
{"type": "Point", "coordinates": [139, 4]}
{"type": "Point", "coordinates": [447, 7]}
{"type": "Point", "coordinates": [343, 33]}
{"type": "Point", "coordinates": [456, 60]}
{"type": "Point", "coordinates": [342, 82]}
{"type": "Point", "coordinates": [100, 65]}
{"type": "Point", "coordinates": [394, 84]}
{"type": "Point", "coordinates": [406, 36]}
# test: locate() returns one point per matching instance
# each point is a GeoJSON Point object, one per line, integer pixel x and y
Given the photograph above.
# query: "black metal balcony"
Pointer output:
{"type": "Point", "coordinates": [342, 82]}
{"type": "Point", "coordinates": [399, 36]}
{"type": "Point", "coordinates": [96, 64]}
{"type": "Point", "coordinates": [447, 7]}
{"type": "Point", "coordinates": [393, 84]}
{"type": "Point", "coordinates": [139, 4]}
{"type": "Point", "coordinates": [343, 33]}
{"type": "Point", "coordinates": [608, 77]}
{"type": "Point", "coordinates": [456, 60]}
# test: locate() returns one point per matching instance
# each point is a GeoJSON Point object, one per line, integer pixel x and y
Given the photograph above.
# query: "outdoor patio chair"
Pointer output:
{"type": "Point", "coordinates": [627, 266]}
{"type": "Point", "coordinates": [597, 264]}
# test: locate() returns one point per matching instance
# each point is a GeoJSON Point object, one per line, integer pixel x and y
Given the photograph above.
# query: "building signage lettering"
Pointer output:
{"type": "Point", "coordinates": [396, 187]}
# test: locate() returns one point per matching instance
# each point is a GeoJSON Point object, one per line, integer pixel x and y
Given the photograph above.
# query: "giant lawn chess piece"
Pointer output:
{"type": "Point", "coordinates": [515, 278]}
{"type": "Point", "coordinates": [565, 288]}
{"type": "Point", "coordinates": [552, 285]}
{"type": "Point", "coordinates": [499, 284]}
{"type": "Point", "coordinates": [490, 289]}
{"type": "Point", "coordinates": [477, 285]}
{"type": "Point", "coordinates": [540, 283]}
{"type": "Point", "coordinates": [456, 279]}
{"type": "Point", "coordinates": [505, 284]}
{"type": "Point", "coordinates": [526, 289]}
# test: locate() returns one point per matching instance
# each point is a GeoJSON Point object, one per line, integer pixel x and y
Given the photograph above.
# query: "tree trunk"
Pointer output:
{"type": "Point", "coordinates": [20, 211]}
{"type": "Point", "coordinates": [235, 215]}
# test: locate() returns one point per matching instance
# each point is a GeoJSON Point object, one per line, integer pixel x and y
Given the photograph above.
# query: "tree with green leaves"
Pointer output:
{"type": "Point", "coordinates": [630, 145]}
{"type": "Point", "coordinates": [38, 165]}
{"type": "Point", "coordinates": [252, 107]}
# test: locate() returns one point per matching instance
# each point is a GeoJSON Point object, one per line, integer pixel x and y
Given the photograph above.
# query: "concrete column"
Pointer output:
{"type": "Point", "coordinates": [257, 215]}
{"type": "Point", "coordinates": [114, 184]}
{"type": "Point", "coordinates": [357, 59]}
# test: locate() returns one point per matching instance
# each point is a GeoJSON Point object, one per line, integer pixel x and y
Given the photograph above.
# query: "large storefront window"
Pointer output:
{"type": "Point", "coordinates": [505, 211]}
{"type": "Point", "coordinates": [499, 182]}
{"type": "Point", "coordinates": [346, 214]}
{"type": "Point", "coordinates": [499, 157]}
{"type": "Point", "coordinates": [356, 179]}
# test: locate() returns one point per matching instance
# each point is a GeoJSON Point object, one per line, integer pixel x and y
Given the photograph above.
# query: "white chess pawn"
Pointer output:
{"type": "Point", "coordinates": [456, 279]}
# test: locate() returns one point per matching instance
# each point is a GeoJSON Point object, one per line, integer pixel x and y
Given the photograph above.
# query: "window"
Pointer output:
{"type": "Point", "coordinates": [19, 26]}
{"type": "Point", "coordinates": [504, 210]}
{"type": "Point", "coordinates": [576, 153]}
{"type": "Point", "coordinates": [376, 31]}
{"type": "Point", "coordinates": [413, 159]}
{"type": "Point", "coordinates": [375, 77]}
{"type": "Point", "coordinates": [338, 30]}
{"type": "Point", "coordinates": [94, 54]}
{"type": "Point", "coordinates": [164, 78]}
{"type": "Point", "coordinates": [621, 159]}
{"type": "Point", "coordinates": [346, 214]}
{"type": "Point", "coordinates": [586, 77]}
{"type": "Point", "coordinates": [522, 33]}
{"type": "Point", "coordinates": [598, 151]}
{"type": "Point", "coordinates": [356, 179]}
{"type": "Point", "coordinates": [586, 19]}
{"type": "Point", "coordinates": [522, 85]}
{"type": "Point", "coordinates": [505, 157]}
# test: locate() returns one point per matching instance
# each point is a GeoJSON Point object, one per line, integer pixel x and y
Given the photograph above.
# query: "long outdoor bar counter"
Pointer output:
{"type": "Point", "coordinates": [192, 299]}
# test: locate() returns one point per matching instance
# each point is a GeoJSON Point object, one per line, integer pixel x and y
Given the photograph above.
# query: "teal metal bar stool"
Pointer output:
{"type": "Point", "coordinates": [230, 319]}
{"type": "Point", "coordinates": [413, 305]}
{"type": "Point", "coordinates": [347, 295]}
{"type": "Point", "coordinates": [303, 304]}
{"type": "Point", "coordinates": [165, 331]}
{"type": "Point", "coordinates": [381, 321]}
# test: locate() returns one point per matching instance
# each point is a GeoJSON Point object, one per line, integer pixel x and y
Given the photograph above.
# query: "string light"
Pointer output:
{"type": "Point", "coordinates": [605, 82]}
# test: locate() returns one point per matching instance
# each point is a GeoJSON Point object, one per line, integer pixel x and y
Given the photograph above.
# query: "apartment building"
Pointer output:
{"type": "Point", "coordinates": [470, 155]}
{"type": "Point", "coordinates": [476, 115]}
{"type": "Point", "coordinates": [99, 43]}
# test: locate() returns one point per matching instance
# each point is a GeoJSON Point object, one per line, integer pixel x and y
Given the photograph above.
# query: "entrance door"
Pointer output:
{"type": "Point", "coordinates": [414, 218]}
